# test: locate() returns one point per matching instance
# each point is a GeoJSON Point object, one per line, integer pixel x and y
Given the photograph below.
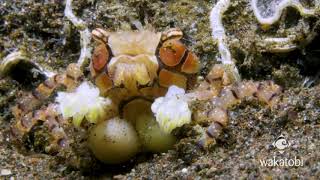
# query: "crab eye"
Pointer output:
{"type": "Point", "coordinates": [100, 35]}
{"type": "Point", "coordinates": [173, 33]}
{"type": "Point", "coordinates": [172, 52]}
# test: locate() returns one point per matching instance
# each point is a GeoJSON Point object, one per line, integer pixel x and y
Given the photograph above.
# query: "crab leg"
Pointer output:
{"type": "Point", "coordinates": [266, 92]}
{"type": "Point", "coordinates": [222, 94]}
{"type": "Point", "coordinates": [34, 99]}
{"type": "Point", "coordinates": [24, 112]}
{"type": "Point", "coordinates": [51, 119]}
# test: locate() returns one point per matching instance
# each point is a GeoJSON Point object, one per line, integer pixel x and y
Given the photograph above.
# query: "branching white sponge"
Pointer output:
{"type": "Point", "coordinates": [172, 111]}
{"type": "Point", "coordinates": [85, 102]}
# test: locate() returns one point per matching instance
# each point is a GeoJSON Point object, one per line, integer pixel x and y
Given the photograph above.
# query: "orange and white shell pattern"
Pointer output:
{"type": "Point", "coordinates": [131, 59]}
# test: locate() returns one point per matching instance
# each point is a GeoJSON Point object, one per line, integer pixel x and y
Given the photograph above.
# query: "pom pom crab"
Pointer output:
{"type": "Point", "coordinates": [124, 67]}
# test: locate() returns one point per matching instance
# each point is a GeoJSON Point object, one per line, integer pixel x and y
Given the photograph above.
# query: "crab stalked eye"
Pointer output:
{"type": "Point", "coordinates": [191, 64]}
{"type": "Point", "coordinates": [100, 57]}
{"type": "Point", "coordinates": [173, 33]}
{"type": "Point", "coordinates": [171, 52]}
{"type": "Point", "coordinates": [168, 78]}
{"type": "Point", "coordinates": [100, 35]}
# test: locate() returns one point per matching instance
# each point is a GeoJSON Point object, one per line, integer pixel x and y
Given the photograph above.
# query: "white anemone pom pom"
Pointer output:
{"type": "Point", "coordinates": [172, 111]}
{"type": "Point", "coordinates": [84, 102]}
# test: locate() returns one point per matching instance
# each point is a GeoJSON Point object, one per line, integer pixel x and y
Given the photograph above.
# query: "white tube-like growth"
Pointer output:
{"type": "Point", "coordinates": [85, 35]}
{"type": "Point", "coordinates": [219, 35]}
{"type": "Point", "coordinates": [268, 12]}
{"type": "Point", "coordinates": [218, 32]}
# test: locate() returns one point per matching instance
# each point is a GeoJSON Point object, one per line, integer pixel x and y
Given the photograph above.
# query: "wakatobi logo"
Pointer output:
{"type": "Point", "coordinates": [281, 143]}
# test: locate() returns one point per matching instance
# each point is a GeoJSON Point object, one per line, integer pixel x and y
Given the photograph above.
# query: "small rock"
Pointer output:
{"type": "Point", "coordinates": [5, 172]}
{"type": "Point", "coordinates": [311, 146]}
{"type": "Point", "coordinates": [211, 171]}
{"type": "Point", "coordinates": [242, 166]}
{"type": "Point", "coordinates": [184, 170]}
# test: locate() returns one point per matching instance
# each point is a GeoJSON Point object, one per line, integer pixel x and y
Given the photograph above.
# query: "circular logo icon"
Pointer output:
{"type": "Point", "coordinates": [281, 143]}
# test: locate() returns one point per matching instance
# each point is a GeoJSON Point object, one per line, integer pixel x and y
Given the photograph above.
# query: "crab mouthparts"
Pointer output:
{"type": "Point", "coordinates": [132, 71]}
